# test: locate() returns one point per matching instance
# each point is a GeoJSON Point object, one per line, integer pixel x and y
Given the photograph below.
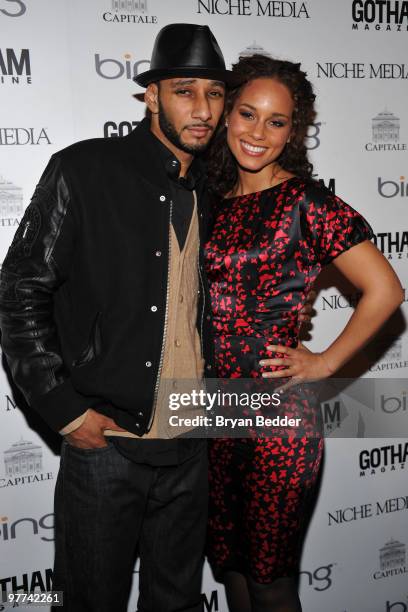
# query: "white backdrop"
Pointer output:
{"type": "Point", "coordinates": [65, 75]}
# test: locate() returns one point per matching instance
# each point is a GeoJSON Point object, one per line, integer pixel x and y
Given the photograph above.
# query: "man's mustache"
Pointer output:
{"type": "Point", "coordinates": [199, 125]}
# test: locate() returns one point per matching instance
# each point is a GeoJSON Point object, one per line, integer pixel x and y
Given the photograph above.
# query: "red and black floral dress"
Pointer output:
{"type": "Point", "coordinates": [265, 252]}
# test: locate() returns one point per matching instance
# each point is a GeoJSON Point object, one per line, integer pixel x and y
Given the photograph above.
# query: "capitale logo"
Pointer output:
{"type": "Point", "coordinates": [386, 15]}
{"type": "Point", "coordinates": [392, 557]}
{"type": "Point", "coordinates": [15, 66]}
{"type": "Point", "coordinates": [23, 464]}
{"type": "Point", "coordinates": [23, 136]}
{"type": "Point", "coordinates": [383, 459]}
{"type": "Point", "coordinates": [386, 353]}
{"type": "Point", "coordinates": [385, 133]}
{"type": "Point", "coordinates": [128, 11]}
{"type": "Point", "coordinates": [11, 203]}
{"type": "Point", "coordinates": [258, 8]}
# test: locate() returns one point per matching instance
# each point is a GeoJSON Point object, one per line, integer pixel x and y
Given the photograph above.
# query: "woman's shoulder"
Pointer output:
{"type": "Point", "coordinates": [314, 190]}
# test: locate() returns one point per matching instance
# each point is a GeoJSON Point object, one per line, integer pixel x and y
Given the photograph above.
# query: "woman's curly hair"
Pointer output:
{"type": "Point", "coordinates": [222, 167]}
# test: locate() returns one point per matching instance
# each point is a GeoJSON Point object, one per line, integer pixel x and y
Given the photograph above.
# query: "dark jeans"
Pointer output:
{"type": "Point", "coordinates": [108, 509]}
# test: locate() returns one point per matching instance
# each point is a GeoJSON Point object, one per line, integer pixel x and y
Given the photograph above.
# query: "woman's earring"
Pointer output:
{"type": "Point", "coordinates": [226, 124]}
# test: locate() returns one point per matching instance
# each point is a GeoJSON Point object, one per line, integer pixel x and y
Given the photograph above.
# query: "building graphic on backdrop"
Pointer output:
{"type": "Point", "coordinates": [23, 458]}
{"type": "Point", "coordinates": [385, 133]}
{"type": "Point", "coordinates": [128, 11]}
{"type": "Point", "coordinates": [253, 50]}
{"type": "Point", "coordinates": [11, 200]}
{"type": "Point", "coordinates": [392, 560]}
{"type": "Point", "coordinates": [130, 6]}
{"type": "Point", "coordinates": [386, 127]}
{"type": "Point", "coordinates": [392, 554]}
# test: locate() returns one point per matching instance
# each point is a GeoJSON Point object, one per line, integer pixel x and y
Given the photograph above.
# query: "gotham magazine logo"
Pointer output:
{"type": "Point", "coordinates": [129, 11]}
{"type": "Point", "coordinates": [23, 136]}
{"type": "Point", "coordinates": [210, 602]}
{"type": "Point", "coordinates": [258, 8]}
{"type": "Point", "coordinates": [392, 560]}
{"type": "Point", "coordinates": [360, 70]}
{"type": "Point", "coordinates": [388, 188]}
{"type": "Point", "coordinates": [11, 203]}
{"type": "Point", "coordinates": [112, 68]}
{"type": "Point", "coordinates": [23, 464]}
{"type": "Point", "coordinates": [320, 579]}
{"type": "Point", "coordinates": [15, 66]}
{"type": "Point", "coordinates": [383, 459]}
{"type": "Point", "coordinates": [385, 129]}
{"type": "Point", "coordinates": [386, 353]}
{"type": "Point", "coordinates": [385, 15]}
{"type": "Point", "coordinates": [38, 580]}
{"type": "Point", "coordinates": [331, 413]}
{"type": "Point", "coordinates": [12, 530]}
{"type": "Point", "coordinates": [394, 245]}
{"type": "Point", "coordinates": [351, 514]}
{"type": "Point", "coordinates": [329, 183]}
{"type": "Point", "coordinates": [12, 8]}
{"type": "Point", "coordinates": [111, 129]}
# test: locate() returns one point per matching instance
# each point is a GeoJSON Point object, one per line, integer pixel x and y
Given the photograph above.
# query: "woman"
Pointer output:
{"type": "Point", "coordinates": [274, 230]}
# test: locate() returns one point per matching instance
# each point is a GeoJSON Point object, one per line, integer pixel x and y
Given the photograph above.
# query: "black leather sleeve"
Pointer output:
{"type": "Point", "coordinates": [36, 265]}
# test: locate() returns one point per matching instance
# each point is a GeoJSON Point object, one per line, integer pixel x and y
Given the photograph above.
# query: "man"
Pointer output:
{"type": "Point", "coordinates": [103, 298]}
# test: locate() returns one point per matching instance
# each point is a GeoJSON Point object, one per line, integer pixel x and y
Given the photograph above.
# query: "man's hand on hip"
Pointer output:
{"type": "Point", "coordinates": [90, 433]}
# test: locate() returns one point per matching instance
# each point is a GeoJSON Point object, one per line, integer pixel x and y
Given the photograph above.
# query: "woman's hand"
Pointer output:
{"type": "Point", "coordinates": [301, 365]}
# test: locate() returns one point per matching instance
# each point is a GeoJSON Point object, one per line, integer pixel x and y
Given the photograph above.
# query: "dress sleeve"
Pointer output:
{"type": "Point", "coordinates": [330, 226]}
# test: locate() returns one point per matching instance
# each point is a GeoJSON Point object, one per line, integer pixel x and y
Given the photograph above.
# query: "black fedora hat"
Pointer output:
{"type": "Point", "coordinates": [186, 49]}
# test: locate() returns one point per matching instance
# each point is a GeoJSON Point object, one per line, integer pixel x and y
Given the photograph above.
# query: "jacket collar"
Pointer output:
{"type": "Point", "coordinates": [143, 150]}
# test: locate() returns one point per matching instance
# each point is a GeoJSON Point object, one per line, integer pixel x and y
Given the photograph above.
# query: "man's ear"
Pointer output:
{"type": "Point", "coordinates": [152, 98]}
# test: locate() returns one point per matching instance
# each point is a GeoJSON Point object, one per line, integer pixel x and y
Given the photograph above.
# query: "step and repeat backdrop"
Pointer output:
{"type": "Point", "coordinates": [66, 69]}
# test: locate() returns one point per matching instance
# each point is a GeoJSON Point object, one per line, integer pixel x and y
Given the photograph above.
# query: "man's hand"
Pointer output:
{"type": "Point", "coordinates": [307, 311]}
{"type": "Point", "coordinates": [90, 433]}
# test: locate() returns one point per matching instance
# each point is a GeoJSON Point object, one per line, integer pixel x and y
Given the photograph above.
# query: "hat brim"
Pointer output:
{"type": "Point", "coordinates": [151, 76]}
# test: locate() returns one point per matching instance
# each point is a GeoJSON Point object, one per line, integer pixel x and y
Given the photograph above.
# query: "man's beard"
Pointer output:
{"type": "Point", "coordinates": [168, 129]}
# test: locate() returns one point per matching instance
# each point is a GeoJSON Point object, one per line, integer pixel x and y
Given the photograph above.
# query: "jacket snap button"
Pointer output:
{"type": "Point", "coordinates": [153, 308]}
{"type": "Point", "coordinates": [137, 425]}
{"type": "Point", "coordinates": [140, 414]}
{"type": "Point", "coordinates": [148, 364]}
{"type": "Point", "coordinates": [162, 198]}
{"type": "Point", "coordinates": [158, 253]}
